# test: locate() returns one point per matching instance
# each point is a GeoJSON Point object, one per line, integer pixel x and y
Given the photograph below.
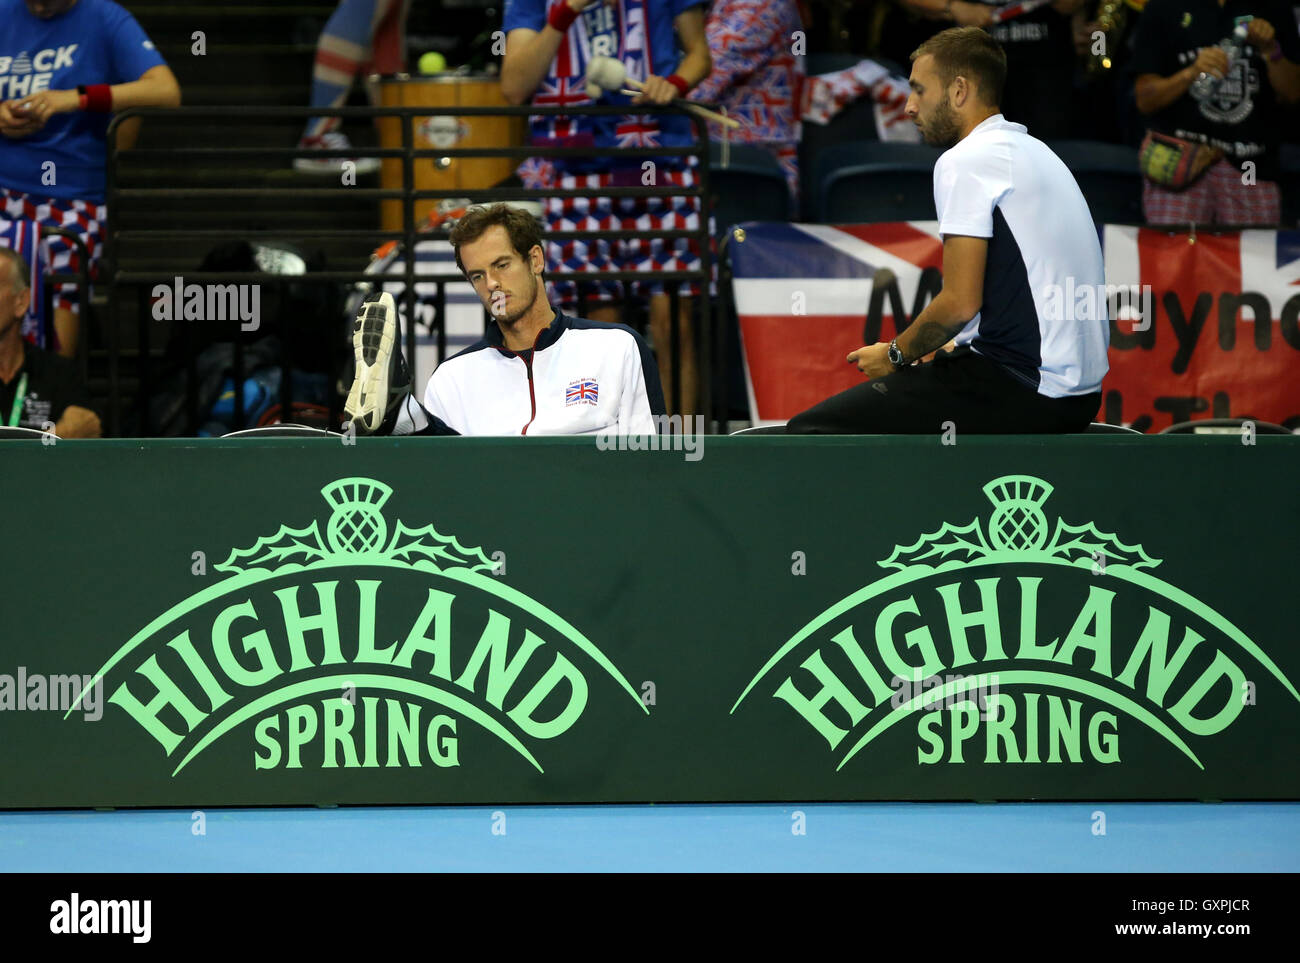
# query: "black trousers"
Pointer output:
{"type": "Point", "coordinates": [976, 395]}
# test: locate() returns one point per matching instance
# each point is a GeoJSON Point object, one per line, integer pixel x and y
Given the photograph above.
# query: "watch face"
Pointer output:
{"type": "Point", "coordinates": [895, 356]}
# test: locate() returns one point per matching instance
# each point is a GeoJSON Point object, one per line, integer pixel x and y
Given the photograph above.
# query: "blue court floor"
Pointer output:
{"type": "Point", "coordinates": [859, 837]}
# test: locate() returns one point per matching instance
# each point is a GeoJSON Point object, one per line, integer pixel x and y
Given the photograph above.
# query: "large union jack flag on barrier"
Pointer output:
{"type": "Point", "coordinates": [1222, 339]}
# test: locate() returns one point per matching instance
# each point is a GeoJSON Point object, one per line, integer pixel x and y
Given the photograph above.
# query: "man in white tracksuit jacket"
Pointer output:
{"type": "Point", "coordinates": [535, 372]}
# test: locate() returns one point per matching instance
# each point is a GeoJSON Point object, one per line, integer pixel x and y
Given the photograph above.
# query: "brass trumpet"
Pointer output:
{"type": "Point", "coordinates": [1112, 20]}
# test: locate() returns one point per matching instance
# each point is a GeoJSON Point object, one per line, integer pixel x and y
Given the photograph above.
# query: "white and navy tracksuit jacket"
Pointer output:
{"type": "Point", "coordinates": [581, 377]}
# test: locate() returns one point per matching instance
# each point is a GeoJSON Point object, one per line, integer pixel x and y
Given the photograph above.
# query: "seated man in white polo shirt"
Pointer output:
{"type": "Point", "coordinates": [1017, 235]}
{"type": "Point", "coordinates": [536, 371]}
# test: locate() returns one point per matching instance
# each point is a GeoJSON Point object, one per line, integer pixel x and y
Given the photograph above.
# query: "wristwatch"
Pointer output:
{"type": "Point", "coordinates": [896, 356]}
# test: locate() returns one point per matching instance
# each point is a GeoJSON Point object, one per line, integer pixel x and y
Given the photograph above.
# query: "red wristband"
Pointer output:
{"type": "Point", "coordinates": [683, 88]}
{"type": "Point", "coordinates": [561, 17]}
{"type": "Point", "coordinates": [96, 97]}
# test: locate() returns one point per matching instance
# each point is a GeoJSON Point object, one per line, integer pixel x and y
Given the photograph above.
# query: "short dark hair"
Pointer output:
{"type": "Point", "coordinates": [971, 53]}
{"type": "Point", "coordinates": [525, 233]}
{"type": "Point", "coordinates": [17, 268]}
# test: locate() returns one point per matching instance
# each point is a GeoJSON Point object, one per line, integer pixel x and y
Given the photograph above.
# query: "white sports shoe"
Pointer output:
{"type": "Point", "coordinates": [334, 140]}
{"type": "Point", "coordinates": [382, 379]}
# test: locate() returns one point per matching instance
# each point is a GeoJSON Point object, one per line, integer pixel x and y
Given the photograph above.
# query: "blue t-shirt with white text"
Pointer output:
{"type": "Point", "coordinates": [94, 42]}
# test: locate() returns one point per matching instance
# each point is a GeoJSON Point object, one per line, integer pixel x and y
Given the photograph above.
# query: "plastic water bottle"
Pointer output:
{"type": "Point", "coordinates": [1207, 85]}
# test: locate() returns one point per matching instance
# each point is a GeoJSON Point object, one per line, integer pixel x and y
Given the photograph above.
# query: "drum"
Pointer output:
{"type": "Point", "coordinates": [451, 174]}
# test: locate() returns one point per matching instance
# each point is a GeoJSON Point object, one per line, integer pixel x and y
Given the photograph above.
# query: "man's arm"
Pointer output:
{"type": "Point", "coordinates": [156, 87]}
{"type": "Point", "coordinates": [643, 396]}
{"type": "Point", "coordinates": [943, 318]}
{"type": "Point", "coordinates": [435, 411]}
{"type": "Point", "coordinates": [1282, 73]}
{"type": "Point", "coordinates": [1285, 78]}
{"type": "Point", "coordinates": [78, 422]}
{"type": "Point", "coordinates": [696, 61]}
{"type": "Point", "coordinates": [529, 55]}
{"type": "Point", "coordinates": [1154, 93]}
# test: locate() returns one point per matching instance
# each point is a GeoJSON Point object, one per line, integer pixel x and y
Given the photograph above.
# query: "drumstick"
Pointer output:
{"type": "Point", "coordinates": [694, 108]}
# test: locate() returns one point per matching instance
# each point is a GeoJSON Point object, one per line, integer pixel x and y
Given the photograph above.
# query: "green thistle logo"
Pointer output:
{"type": "Point", "coordinates": [1017, 531]}
{"type": "Point", "coordinates": [356, 532]}
{"type": "Point", "coordinates": [357, 526]}
{"type": "Point", "coordinates": [1018, 522]}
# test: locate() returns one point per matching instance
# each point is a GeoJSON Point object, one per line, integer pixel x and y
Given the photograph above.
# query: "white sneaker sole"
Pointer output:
{"type": "Point", "coordinates": [374, 337]}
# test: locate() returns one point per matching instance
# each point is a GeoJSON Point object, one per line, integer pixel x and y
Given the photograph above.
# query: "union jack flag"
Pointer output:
{"type": "Point", "coordinates": [637, 130]}
{"type": "Point", "coordinates": [581, 393]}
{"type": "Point", "coordinates": [561, 93]}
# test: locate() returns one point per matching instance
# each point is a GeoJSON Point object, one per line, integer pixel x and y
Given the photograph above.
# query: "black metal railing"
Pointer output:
{"type": "Point", "coordinates": [120, 200]}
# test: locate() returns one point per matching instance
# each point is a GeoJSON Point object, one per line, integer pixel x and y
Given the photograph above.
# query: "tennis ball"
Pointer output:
{"type": "Point", "coordinates": [433, 63]}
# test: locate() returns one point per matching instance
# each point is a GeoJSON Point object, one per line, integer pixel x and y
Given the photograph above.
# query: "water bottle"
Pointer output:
{"type": "Point", "coordinates": [1207, 85]}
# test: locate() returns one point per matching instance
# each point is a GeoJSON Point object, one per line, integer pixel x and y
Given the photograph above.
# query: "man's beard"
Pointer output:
{"type": "Point", "coordinates": [943, 129]}
{"type": "Point", "coordinates": [524, 306]}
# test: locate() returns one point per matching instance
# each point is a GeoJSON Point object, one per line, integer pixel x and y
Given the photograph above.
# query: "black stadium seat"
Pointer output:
{"type": "Point", "coordinates": [874, 181]}
{"type": "Point", "coordinates": [751, 187]}
{"type": "Point", "coordinates": [1109, 177]}
{"type": "Point", "coordinates": [856, 122]}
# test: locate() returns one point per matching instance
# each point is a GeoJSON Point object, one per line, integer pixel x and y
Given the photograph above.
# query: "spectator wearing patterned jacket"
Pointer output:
{"type": "Point", "coordinates": [756, 76]}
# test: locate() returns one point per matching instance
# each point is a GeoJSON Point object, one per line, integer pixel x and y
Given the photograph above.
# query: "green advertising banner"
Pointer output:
{"type": "Point", "coordinates": [555, 621]}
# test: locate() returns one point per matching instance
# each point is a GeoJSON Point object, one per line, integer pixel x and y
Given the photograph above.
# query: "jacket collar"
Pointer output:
{"type": "Point", "coordinates": [545, 338]}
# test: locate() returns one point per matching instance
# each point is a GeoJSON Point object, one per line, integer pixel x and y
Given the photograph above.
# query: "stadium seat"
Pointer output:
{"type": "Point", "coordinates": [1223, 426]}
{"type": "Point", "coordinates": [20, 434]}
{"type": "Point", "coordinates": [1101, 428]}
{"type": "Point", "coordinates": [871, 181]}
{"type": "Point", "coordinates": [857, 121]}
{"type": "Point", "coordinates": [762, 430]}
{"type": "Point", "coordinates": [751, 187]}
{"type": "Point", "coordinates": [1109, 177]}
{"type": "Point", "coordinates": [283, 431]}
